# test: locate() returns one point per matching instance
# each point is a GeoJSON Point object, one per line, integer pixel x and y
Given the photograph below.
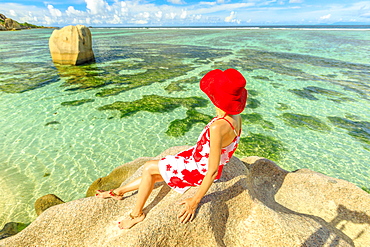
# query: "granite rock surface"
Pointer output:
{"type": "Point", "coordinates": [71, 45]}
{"type": "Point", "coordinates": [11, 24]}
{"type": "Point", "coordinates": [255, 203]}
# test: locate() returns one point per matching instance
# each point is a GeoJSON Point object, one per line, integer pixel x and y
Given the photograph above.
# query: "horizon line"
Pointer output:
{"type": "Point", "coordinates": [241, 26]}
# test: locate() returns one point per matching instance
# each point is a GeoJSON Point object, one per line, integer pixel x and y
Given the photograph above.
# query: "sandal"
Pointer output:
{"type": "Point", "coordinates": [112, 193]}
{"type": "Point", "coordinates": [108, 194]}
{"type": "Point", "coordinates": [127, 224]}
{"type": "Point", "coordinates": [134, 217]}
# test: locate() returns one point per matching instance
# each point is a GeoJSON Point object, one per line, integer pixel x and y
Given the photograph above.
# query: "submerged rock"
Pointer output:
{"type": "Point", "coordinates": [77, 102]}
{"type": "Point", "coordinates": [11, 228]}
{"type": "Point", "coordinates": [46, 202]}
{"type": "Point", "coordinates": [261, 145]}
{"type": "Point", "coordinates": [298, 120]}
{"type": "Point", "coordinates": [256, 118]}
{"type": "Point", "coordinates": [255, 203]}
{"type": "Point", "coordinates": [179, 127]}
{"type": "Point", "coordinates": [357, 129]}
{"type": "Point", "coordinates": [154, 103]}
{"type": "Point", "coordinates": [71, 45]}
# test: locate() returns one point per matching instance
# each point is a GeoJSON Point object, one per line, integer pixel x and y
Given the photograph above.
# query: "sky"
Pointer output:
{"type": "Point", "coordinates": [100, 13]}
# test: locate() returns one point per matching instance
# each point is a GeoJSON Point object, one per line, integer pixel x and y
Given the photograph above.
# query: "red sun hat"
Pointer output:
{"type": "Point", "coordinates": [226, 90]}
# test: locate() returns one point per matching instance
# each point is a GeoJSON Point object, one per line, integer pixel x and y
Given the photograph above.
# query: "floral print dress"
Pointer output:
{"type": "Point", "coordinates": [188, 168]}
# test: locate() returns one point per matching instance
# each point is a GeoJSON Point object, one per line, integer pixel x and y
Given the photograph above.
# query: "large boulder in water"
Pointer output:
{"type": "Point", "coordinates": [255, 203]}
{"type": "Point", "coordinates": [71, 45]}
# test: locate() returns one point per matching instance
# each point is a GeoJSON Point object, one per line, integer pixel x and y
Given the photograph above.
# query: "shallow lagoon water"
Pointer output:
{"type": "Point", "coordinates": [63, 127]}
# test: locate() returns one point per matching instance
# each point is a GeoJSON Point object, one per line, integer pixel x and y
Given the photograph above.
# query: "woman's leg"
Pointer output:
{"type": "Point", "coordinates": [119, 192]}
{"type": "Point", "coordinates": [150, 176]}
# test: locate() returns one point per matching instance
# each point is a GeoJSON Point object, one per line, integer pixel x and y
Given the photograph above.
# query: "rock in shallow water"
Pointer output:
{"type": "Point", "coordinates": [255, 203]}
{"type": "Point", "coordinates": [46, 202]}
{"type": "Point", "coordinates": [9, 229]}
{"type": "Point", "coordinates": [71, 45]}
{"type": "Point", "coordinates": [12, 228]}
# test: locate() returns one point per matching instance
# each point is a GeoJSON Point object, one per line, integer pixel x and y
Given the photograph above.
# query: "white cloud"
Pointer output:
{"type": "Point", "coordinates": [158, 14]}
{"type": "Point", "coordinates": [183, 14]}
{"type": "Point", "coordinates": [48, 20]}
{"type": "Point", "coordinates": [54, 12]}
{"type": "Point", "coordinates": [96, 6]}
{"type": "Point", "coordinates": [364, 9]}
{"type": "Point", "coordinates": [267, 2]}
{"type": "Point", "coordinates": [22, 12]}
{"type": "Point", "coordinates": [144, 15]}
{"type": "Point", "coordinates": [127, 12]}
{"type": "Point", "coordinates": [130, 12]}
{"type": "Point", "coordinates": [140, 22]}
{"type": "Point", "coordinates": [12, 13]}
{"type": "Point", "coordinates": [223, 7]}
{"type": "Point", "coordinates": [207, 3]}
{"type": "Point", "coordinates": [325, 17]}
{"type": "Point", "coordinates": [97, 21]}
{"type": "Point", "coordinates": [72, 11]}
{"type": "Point", "coordinates": [231, 18]}
{"type": "Point", "coordinates": [170, 16]}
{"type": "Point", "coordinates": [121, 8]}
{"type": "Point", "coordinates": [176, 1]}
{"type": "Point", "coordinates": [116, 20]}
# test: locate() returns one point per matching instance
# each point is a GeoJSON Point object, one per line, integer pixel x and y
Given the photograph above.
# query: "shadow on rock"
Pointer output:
{"type": "Point", "coordinates": [315, 197]}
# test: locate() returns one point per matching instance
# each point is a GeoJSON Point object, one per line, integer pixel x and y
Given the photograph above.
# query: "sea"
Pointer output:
{"type": "Point", "coordinates": [63, 127]}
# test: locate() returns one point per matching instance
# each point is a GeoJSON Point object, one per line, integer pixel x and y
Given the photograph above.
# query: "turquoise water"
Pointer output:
{"type": "Point", "coordinates": [63, 127]}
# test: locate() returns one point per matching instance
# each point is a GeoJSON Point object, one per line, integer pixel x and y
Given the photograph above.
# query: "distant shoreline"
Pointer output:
{"type": "Point", "coordinates": [298, 27]}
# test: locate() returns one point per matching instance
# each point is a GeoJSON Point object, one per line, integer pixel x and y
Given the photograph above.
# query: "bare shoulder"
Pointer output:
{"type": "Point", "coordinates": [220, 127]}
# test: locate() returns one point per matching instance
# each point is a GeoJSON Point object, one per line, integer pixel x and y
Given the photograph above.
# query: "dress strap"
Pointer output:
{"type": "Point", "coordinates": [229, 124]}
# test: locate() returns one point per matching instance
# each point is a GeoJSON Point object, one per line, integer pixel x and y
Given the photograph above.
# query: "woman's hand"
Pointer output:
{"type": "Point", "coordinates": [188, 213]}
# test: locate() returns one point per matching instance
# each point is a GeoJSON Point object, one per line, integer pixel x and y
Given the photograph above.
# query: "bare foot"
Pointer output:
{"type": "Point", "coordinates": [127, 224]}
{"type": "Point", "coordinates": [108, 194]}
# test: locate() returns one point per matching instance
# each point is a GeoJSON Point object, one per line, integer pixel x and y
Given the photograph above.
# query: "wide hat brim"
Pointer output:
{"type": "Point", "coordinates": [226, 90]}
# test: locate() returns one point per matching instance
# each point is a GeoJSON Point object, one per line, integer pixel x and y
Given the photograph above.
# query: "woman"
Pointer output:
{"type": "Point", "coordinates": [201, 164]}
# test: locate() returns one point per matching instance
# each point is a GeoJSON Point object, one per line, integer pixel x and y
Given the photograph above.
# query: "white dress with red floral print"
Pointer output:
{"type": "Point", "coordinates": [188, 168]}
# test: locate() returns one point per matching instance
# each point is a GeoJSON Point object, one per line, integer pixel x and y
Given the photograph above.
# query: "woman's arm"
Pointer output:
{"type": "Point", "coordinates": [217, 131]}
